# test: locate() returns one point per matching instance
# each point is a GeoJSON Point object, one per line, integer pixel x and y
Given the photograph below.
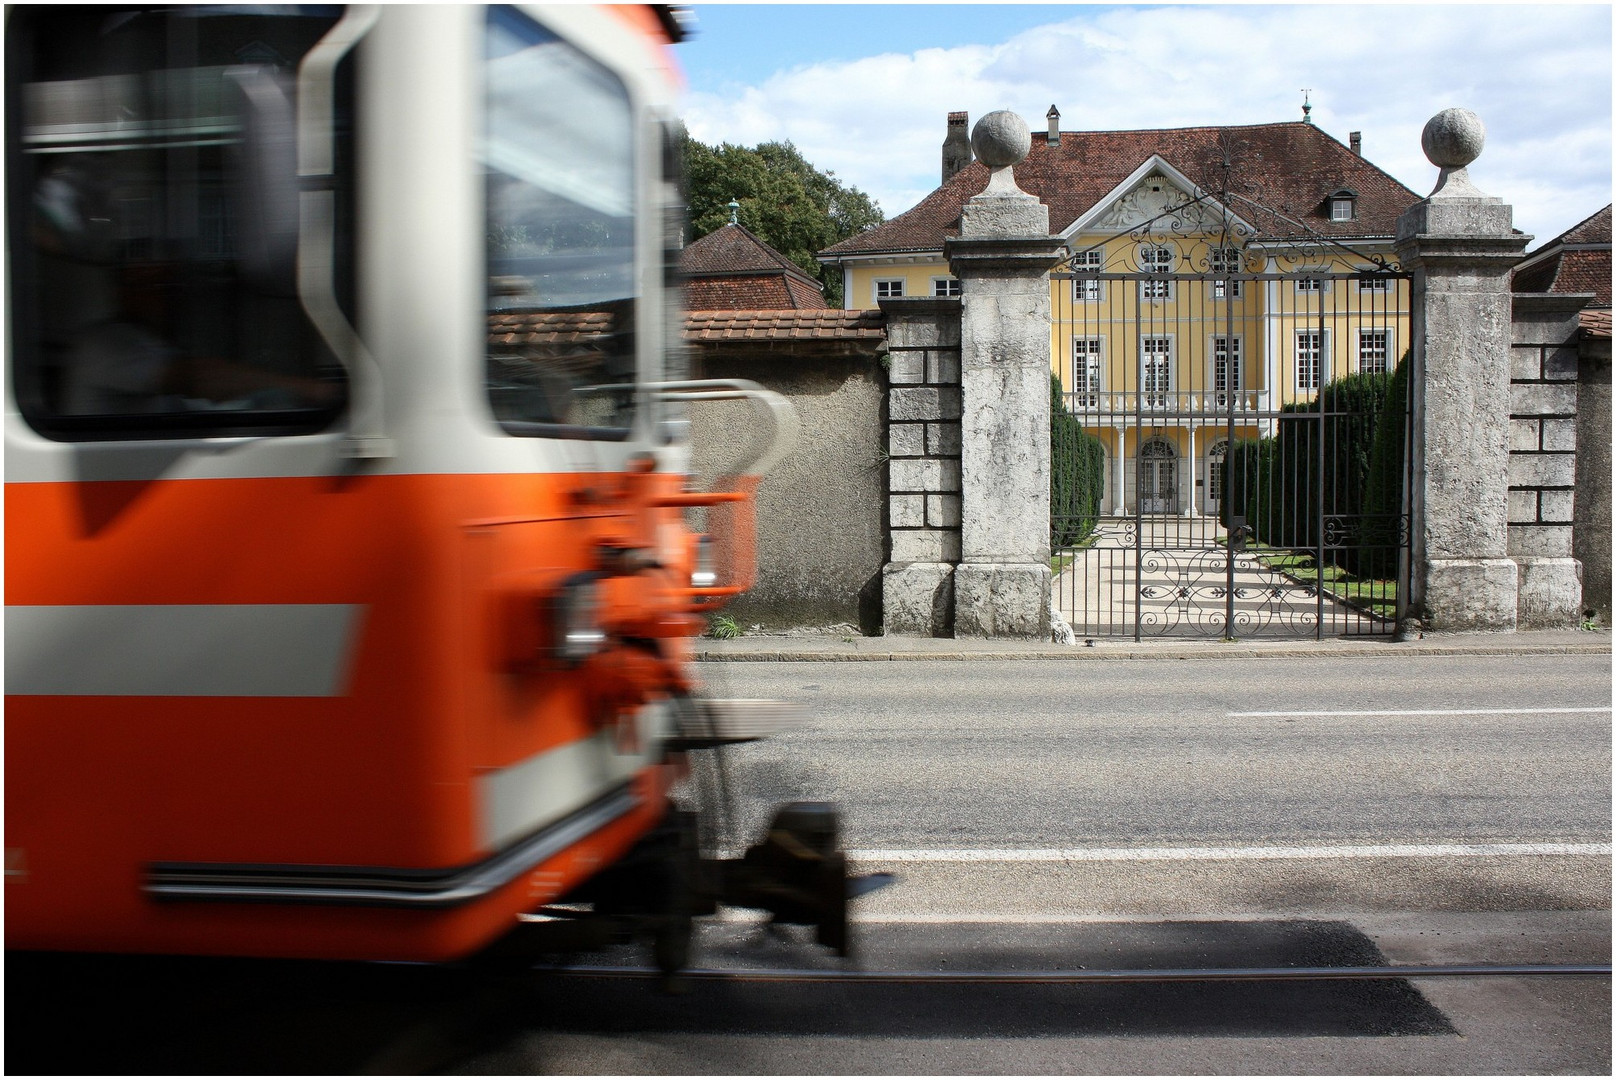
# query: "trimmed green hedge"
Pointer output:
{"type": "Point", "coordinates": [1280, 484]}
{"type": "Point", "coordinates": [1076, 474]}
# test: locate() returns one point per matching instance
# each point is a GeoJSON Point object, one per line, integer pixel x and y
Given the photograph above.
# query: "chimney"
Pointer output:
{"type": "Point", "coordinates": [1355, 140]}
{"type": "Point", "coordinates": [957, 144]}
{"type": "Point", "coordinates": [1053, 115]}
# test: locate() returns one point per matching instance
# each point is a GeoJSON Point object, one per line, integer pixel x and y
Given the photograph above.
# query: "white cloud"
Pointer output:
{"type": "Point", "coordinates": [1539, 76]}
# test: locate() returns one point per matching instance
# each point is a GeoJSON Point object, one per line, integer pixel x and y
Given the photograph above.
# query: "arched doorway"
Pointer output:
{"type": "Point", "coordinates": [1158, 477]}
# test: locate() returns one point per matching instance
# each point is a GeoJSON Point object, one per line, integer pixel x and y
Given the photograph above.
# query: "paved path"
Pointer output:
{"type": "Point", "coordinates": [1184, 586]}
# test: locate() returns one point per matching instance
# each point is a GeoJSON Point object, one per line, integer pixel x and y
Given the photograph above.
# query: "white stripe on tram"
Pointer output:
{"type": "Point", "coordinates": [181, 650]}
{"type": "Point", "coordinates": [1201, 854]}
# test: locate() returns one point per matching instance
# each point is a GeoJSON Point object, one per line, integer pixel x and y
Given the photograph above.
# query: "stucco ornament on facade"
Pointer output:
{"type": "Point", "coordinates": [1153, 201]}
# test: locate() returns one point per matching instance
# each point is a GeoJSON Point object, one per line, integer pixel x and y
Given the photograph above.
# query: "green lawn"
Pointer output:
{"type": "Point", "coordinates": [1377, 596]}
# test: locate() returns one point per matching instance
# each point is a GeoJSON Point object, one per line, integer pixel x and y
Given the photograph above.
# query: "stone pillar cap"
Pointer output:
{"type": "Point", "coordinates": [1001, 140]}
{"type": "Point", "coordinates": [1452, 139]}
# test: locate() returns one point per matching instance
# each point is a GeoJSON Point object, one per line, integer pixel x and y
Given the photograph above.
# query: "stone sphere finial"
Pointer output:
{"type": "Point", "coordinates": [1453, 138]}
{"type": "Point", "coordinates": [1001, 139]}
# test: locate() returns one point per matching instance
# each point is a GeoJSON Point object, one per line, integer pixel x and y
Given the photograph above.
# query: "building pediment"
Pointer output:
{"type": "Point", "coordinates": [1157, 197]}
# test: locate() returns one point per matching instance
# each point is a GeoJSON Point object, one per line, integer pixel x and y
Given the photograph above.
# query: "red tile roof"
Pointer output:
{"type": "Point", "coordinates": [1290, 168]}
{"type": "Point", "coordinates": [560, 334]}
{"type": "Point", "coordinates": [515, 329]}
{"type": "Point", "coordinates": [1594, 229]}
{"type": "Point", "coordinates": [1576, 261]}
{"type": "Point", "coordinates": [731, 268]}
{"type": "Point", "coordinates": [751, 291]}
{"type": "Point", "coordinates": [823, 324]}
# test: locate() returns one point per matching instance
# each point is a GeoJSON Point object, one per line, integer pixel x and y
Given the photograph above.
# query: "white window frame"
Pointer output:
{"type": "Point", "coordinates": [1388, 339]}
{"type": "Point", "coordinates": [946, 288]}
{"type": "Point", "coordinates": [1088, 372]}
{"type": "Point", "coordinates": [1088, 290]}
{"type": "Point", "coordinates": [1156, 259]}
{"type": "Point", "coordinates": [1376, 284]}
{"type": "Point", "coordinates": [1341, 208]}
{"type": "Point", "coordinates": [1152, 360]}
{"type": "Point", "coordinates": [1319, 360]}
{"type": "Point", "coordinates": [901, 283]}
{"type": "Point", "coordinates": [1226, 261]}
{"type": "Point", "coordinates": [1215, 351]}
{"type": "Point", "coordinates": [1317, 283]}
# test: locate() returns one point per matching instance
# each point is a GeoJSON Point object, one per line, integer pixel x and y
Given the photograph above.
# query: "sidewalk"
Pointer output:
{"type": "Point", "coordinates": [826, 647]}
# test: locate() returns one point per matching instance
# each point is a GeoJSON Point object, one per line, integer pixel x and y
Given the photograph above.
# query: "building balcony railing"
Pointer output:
{"type": "Point", "coordinates": [1210, 403]}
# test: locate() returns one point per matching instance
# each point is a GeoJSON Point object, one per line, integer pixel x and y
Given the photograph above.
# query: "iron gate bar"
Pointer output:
{"type": "Point", "coordinates": [1171, 342]}
{"type": "Point", "coordinates": [1122, 975]}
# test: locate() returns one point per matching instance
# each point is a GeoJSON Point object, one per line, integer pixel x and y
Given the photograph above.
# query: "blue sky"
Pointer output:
{"type": "Point", "coordinates": [863, 90]}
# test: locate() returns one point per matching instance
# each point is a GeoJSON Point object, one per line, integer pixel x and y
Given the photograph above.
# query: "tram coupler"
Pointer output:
{"type": "Point", "coordinates": [797, 873]}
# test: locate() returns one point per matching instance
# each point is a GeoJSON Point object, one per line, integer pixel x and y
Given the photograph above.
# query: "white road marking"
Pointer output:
{"type": "Point", "coordinates": [1196, 854]}
{"type": "Point", "coordinates": [1420, 712]}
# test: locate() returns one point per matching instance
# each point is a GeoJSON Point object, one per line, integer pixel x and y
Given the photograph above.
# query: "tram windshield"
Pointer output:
{"type": "Point", "coordinates": [558, 159]}
{"type": "Point", "coordinates": [151, 190]}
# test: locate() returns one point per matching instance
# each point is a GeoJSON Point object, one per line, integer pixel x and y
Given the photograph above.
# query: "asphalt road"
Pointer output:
{"type": "Point", "coordinates": [1038, 815]}
{"type": "Point", "coordinates": [1045, 815]}
{"type": "Point", "coordinates": [1038, 754]}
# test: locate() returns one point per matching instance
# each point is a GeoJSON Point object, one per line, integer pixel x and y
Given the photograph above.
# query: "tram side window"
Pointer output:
{"type": "Point", "coordinates": [149, 299]}
{"type": "Point", "coordinates": [558, 159]}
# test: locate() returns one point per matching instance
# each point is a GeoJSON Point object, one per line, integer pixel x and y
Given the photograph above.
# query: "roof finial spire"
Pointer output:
{"type": "Point", "coordinates": [734, 212]}
{"type": "Point", "coordinates": [1307, 106]}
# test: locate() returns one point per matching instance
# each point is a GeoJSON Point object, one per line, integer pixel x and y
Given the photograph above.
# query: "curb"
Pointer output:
{"type": "Point", "coordinates": [1164, 652]}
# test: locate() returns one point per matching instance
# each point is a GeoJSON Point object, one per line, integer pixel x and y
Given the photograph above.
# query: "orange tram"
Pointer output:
{"type": "Point", "coordinates": [349, 589]}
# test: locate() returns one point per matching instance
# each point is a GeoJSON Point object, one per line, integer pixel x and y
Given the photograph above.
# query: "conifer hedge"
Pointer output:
{"type": "Point", "coordinates": [1076, 474]}
{"type": "Point", "coordinates": [1279, 485]}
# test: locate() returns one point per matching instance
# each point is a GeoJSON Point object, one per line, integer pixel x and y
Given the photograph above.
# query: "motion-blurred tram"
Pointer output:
{"type": "Point", "coordinates": [349, 586]}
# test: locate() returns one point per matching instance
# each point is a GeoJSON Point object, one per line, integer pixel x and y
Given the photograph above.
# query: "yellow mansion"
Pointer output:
{"type": "Point", "coordinates": [1214, 276]}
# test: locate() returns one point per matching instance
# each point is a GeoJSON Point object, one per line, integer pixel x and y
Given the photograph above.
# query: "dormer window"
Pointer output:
{"type": "Point", "coordinates": [1343, 205]}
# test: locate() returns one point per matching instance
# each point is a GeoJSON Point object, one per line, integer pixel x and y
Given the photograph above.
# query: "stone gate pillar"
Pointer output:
{"type": "Point", "coordinates": [1002, 257]}
{"type": "Point", "coordinates": [1459, 247]}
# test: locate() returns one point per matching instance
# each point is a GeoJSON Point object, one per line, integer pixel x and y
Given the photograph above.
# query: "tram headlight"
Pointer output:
{"type": "Point", "coordinates": [705, 573]}
{"type": "Point", "coordinates": [576, 632]}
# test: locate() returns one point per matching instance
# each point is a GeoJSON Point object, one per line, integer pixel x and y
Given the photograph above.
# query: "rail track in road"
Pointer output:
{"type": "Point", "coordinates": [1125, 975]}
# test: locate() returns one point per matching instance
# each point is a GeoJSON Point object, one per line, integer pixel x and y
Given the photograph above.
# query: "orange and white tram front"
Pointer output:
{"type": "Point", "coordinates": [348, 591]}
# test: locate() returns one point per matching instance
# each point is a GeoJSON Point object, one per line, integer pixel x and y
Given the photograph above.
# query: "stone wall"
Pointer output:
{"type": "Point", "coordinates": [922, 441]}
{"type": "Point", "coordinates": [821, 511]}
{"type": "Point", "coordinates": [1590, 535]}
{"type": "Point", "coordinates": [1543, 458]}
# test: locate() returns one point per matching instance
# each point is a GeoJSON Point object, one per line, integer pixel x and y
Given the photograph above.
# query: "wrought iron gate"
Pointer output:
{"type": "Point", "coordinates": [1230, 438]}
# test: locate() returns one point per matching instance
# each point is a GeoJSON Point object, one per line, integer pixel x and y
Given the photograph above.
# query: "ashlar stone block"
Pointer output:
{"type": "Point", "coordinates": [1523, 435]}
{"type": "Point", "coordinates": [909, 440]}
{"type": "Point", "coordinates": [943, 511]}
{"type": "Point", "coordinates": [1522, 507]}
{"type": "Point", "coordinates": [1558, 505]}
{"type": "Point", "coordinates": [1560, 434]}
{"type": "Point", "coordinates": [943, 366]}
{"type": "Point", "coordinates": [1540, 541]}
{"type": "Point", "coordinates": [1542, 470]}
{"type": "Point", "coordinates": [1001, 600]}
{"type": "Point", "coordinates": [1549, 593]}
{"type": "Point", "coordinates": [1471, 594]}
{"type": "Point", "coordinates": [925, 545]}
{"type": "Point", "coordinates": [907, 511]}
{"type": "Point", "coordinates": [918, 598]}
{"type": "Point", "coordinates": [1527, 399]}
{"type": "Point", "coordinates": [943, 438]}
{"type": "Point", "coordinates": [906, 367]}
